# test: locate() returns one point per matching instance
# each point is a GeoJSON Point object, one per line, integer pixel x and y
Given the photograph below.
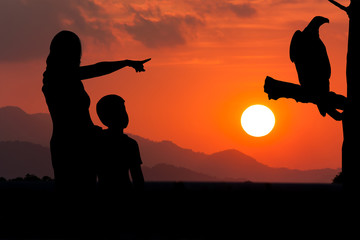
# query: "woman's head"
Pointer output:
{"type": "Point", "coordinates": [112, 112]}
{"type": "Point", "coordinates": [65, 49]}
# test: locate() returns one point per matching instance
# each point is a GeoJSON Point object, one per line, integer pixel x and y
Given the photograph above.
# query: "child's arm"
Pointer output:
{"type": "Point", "coordinates": [137, 177]}
{"type": "Point", "coordinates": [103, 68]}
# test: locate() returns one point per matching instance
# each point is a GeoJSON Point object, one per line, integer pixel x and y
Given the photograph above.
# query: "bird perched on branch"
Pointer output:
{"type": "Point", "coordinates": [312, 63]}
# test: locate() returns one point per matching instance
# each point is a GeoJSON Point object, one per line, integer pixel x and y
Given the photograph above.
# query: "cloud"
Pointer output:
{"type": "Point", "coordinates": [215, 8]}
{"type": "Point", "coordinates": [167, 31]}
{"type": "Point", "coordinates": [242, 10]}
{"type": "Point", "coordinates": [27, 27]}
{"type": "Point", "coordinates": [279, 2]}
{"type": "Point", "coordinates": [158, 26]}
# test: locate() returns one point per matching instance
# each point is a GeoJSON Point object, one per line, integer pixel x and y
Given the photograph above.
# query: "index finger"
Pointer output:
{"type": "Point", "coordinates": [146, 60]}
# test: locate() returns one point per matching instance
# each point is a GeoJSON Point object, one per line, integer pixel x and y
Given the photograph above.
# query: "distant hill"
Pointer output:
{"type": "Point", "coordinates": [16, 125]}
{"type": "Point", "coordinates": [228, 165]}
{"type": "Point", "coordinates": [233, 164]}
{"type": "Point", "coordinates": [162, 160]}
{"type": "Point", "coordinates": [167, 172]}
{"type": "Point", "coordinates": [19, 158]}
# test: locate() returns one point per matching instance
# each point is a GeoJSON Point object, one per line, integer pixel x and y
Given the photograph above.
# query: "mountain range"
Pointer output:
{"type": "Point", "coordinates": [24, 148]}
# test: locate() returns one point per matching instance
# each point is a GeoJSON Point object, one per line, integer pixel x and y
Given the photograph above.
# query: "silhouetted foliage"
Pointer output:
{"type": "Point", "coordinates": [46, 179]}
{"type": "Point", "coordinates": [17, 179]}
{"type": "Point", "coordinates": [31, 177]}
{"type": "Point", "coordinates": [179, 187]}
{"type": "Point", "coordinates": [339, 178]}
{"type": "Point", "coordinates": [28, 177]}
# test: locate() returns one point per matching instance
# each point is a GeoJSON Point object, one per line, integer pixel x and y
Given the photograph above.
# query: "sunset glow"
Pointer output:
{"type": "Point", "coordinates": [209, 62]}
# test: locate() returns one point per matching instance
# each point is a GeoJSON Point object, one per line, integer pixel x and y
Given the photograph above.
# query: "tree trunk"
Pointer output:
{"type": "Point", "coordinates": [351, 123]}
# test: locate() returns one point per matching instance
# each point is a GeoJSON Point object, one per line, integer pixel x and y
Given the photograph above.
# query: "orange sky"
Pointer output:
{"type": "Point", "coordinates": [209, 62]}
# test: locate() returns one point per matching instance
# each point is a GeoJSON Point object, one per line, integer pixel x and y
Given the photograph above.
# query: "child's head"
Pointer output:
{"type": "Point", "coordinates": [112, 112]}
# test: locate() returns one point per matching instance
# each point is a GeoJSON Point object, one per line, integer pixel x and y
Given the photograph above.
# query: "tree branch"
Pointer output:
{"type": "Point", "coordinates": [278, 89]}
{"type": "Point", "coordinates": [342, 7]}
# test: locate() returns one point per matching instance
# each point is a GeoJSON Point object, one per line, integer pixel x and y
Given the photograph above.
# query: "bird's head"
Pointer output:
{"type": "Point", "coordinates": [316, 23]}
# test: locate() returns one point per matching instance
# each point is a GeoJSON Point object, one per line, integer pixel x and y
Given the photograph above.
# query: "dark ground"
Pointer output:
{"type": "Point", "coordinates": [168, 210]}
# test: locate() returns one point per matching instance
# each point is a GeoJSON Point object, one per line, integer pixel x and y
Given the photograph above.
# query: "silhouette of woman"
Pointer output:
{"type": "Point", "coordinates": [73, 141]}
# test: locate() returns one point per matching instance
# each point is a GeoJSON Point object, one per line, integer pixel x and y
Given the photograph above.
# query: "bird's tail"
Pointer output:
{"type": "Point", "coordinates": [321, 102]}
{"type": "Point", "coordinates": [322, 109]}
{"type": "Point", "coordinates": [325, 108]}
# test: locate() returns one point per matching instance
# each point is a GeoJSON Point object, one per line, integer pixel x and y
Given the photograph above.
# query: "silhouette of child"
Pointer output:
{"type": "Point", "coordinates": [119, 153]}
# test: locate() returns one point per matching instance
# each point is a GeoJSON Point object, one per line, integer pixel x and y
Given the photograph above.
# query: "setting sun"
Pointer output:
{"type": "Point", "coordinates": [258, 120]}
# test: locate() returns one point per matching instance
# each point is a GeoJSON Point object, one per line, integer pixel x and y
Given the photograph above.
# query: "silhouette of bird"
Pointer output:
{"type": "Point", "coordinates": [312, 63]}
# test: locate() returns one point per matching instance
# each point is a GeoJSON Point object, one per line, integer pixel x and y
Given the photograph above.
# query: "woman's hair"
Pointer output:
{"type": "Point", "coordinates": [65, 50]}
